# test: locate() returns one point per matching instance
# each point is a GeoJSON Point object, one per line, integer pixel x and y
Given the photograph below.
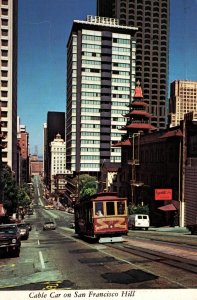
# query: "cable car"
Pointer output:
{"type": "Point", "coordinates": [102, 216]}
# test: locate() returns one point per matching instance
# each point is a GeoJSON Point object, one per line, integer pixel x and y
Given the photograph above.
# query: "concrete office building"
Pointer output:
{"type": "Point", "coordinates": [183, 99]}
{"type": "Point", "coordinates": [100, 84]}
{"type": "Point", "coordinates": [152, 46]}
{"type": "Point", "coordinates": [8, 87]}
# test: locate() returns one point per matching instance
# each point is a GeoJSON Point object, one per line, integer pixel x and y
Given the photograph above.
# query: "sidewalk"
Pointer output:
{"type": "Point", "coordinates": [176, 229]}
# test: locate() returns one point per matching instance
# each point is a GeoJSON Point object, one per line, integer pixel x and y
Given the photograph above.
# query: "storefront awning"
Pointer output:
{"type": "Point", "coordinates": [168, 207]}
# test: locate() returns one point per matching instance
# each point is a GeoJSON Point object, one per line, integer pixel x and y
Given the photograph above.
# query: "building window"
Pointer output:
{"type": "Point", "coordinates": [4, 73]}
{"type": "Point", "coordinates": [4, 12]}
{"type": "Point", "coordinates": [4, 93]}
{"type": "Point", "coordinates": [4, 63]}
{"type": "Point", "coordinates": [4, 114]}
{"type": "Point", "coordinates": [4, 22]}
{"type": "Point", "coordinates": [4, 32]}
{"type": "Point", "coordinates": [4, 104]}
{"type": "Point", "coordinates": [4, 83]}
{"type": "Point", "coordinates": [4, 43]}
{"type": "Point", "coordinates": [4, 52]}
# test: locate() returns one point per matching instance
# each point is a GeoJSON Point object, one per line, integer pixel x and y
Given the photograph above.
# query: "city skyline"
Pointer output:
{"type": "Point", "coordinates": [42, 55]}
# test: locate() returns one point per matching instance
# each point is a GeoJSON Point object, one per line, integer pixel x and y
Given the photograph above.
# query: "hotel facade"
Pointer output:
{"type": "Point", "coordinates": [101, 79]}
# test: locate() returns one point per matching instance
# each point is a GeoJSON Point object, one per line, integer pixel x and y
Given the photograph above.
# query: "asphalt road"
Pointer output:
{"type": "Point", "coordinates": [58, 259]}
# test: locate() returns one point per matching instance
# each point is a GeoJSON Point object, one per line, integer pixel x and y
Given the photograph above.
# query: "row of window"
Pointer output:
{"type": "Point", "coordinates": [98, 118]}
{"type": "Point", "coordinates": [97, 86]}
{"type": "Point", "coordinates": [90, 166]}
{"type": "Point", "coordinates": [90, 149]}
{"type": "Point", "coordinates": [91, 37]}
{"type": "Point", "coordinates": [91, 62]}
{"type": "Point", "coordinates": [120, 49]}
{"type": "Point", "coordinates": [90, 126]}
{"type": "Point", "coordinates": [98, 38]}
{"type": "Point", "coordinates": [90, 157]}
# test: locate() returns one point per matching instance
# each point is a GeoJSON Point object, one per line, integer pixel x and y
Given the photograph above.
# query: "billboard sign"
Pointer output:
{"type": "Point", "coordinates": [163, 194]}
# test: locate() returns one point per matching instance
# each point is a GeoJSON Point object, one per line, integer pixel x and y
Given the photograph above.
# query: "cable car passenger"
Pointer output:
{"type": "Point", "coordinates": [99, 209]}
{"type": "Point", "coordinates": [121, 208]}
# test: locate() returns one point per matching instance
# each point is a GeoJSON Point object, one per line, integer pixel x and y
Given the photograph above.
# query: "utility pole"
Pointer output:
{"type": "Point", "coordinates": [135, 162]}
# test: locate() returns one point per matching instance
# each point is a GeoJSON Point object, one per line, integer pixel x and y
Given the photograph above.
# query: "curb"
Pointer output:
{"type": "Point", "coordinates": [170, 229]}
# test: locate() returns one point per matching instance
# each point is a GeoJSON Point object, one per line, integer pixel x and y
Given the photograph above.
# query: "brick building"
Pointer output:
{"type": "Point", "coordinates": [36, 165]}
{"type": "Point", "coordinates": [167, 160]}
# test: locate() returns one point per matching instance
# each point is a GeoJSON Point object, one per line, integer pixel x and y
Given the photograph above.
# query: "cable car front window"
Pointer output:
{"type": "Point", "coordinates": [99, 209]}
{"type": "Point", "coordinates": [110, 208]}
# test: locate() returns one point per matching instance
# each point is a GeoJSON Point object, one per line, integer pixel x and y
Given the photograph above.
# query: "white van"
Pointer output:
{"type": "Point", "coordinates": [138, 221]}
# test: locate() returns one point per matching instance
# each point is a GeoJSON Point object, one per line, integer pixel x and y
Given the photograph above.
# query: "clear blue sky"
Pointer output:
{"type": "Point", "coordinates": [44, 28]}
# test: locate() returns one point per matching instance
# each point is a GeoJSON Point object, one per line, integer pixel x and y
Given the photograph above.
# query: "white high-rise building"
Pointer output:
{"type": "Point", "coordinates": [100, 84]}
{"type": "Point", "coordinates": [8, 87]}
{"type": "Point", "coordinates": [58, 162]}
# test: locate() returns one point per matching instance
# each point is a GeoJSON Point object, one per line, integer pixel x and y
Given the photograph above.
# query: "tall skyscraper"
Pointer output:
{"type": "Point", "coordinates": [183, 99]}
{"type": "Point", "coordinates": [152, 44]}
{"type": "Point", "coordinates": [8, 87]}
{"type": "Point", "coordinates": [100, 84]}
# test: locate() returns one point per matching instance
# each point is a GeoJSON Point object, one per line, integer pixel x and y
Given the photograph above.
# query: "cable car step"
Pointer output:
{"type": "Point", "coordinates": [112, 239]}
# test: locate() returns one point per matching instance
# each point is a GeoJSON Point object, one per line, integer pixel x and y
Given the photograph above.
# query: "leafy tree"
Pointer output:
{"type": "Point", "coordinates": [138, 209]}
{"type": "Point", "coordinates": [23, 197]}
{"type": "Point", "coordinates": [87, 184]}
{"type": "Point", "coordinates": [13, 195]}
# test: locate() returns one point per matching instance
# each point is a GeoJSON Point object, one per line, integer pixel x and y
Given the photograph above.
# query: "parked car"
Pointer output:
{"type": "Point", "coordinates": [71, 210]}
{"type": "Point", "coordinates": [29, 225]}
{"type": "Point", "coordinates": [24, 230]}
{"type": "Point", "coordinates": [10, 239]}
{"type": "Point", "coordinates": [138, 221]}
{"type": "Point", "coordinates": [30, 211]}
{"type": "Point", "coordinates": [49, 225]}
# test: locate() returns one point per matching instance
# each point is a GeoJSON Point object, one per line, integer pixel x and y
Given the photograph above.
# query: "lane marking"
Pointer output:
{"type": "Point", "coordinates": [38, 242]}
{"type": "Point", "coordinates": [41, 203]}
{"type": "Point", "coordinates": [41, 260]}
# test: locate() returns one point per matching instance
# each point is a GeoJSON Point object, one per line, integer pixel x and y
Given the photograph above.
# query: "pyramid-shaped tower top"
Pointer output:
{"type": "Point", "coordinates": [138, 91]}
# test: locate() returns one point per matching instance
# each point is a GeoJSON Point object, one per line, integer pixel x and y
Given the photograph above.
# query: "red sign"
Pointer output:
{"type": "Point", "coordinates": [163, 194]}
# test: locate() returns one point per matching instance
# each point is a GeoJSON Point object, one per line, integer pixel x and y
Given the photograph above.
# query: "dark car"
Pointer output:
{"type": "Point", "coordinates": [24, 231]}
{"type": "Point", "coordinates": [10, 239]}
{"type": "Point", "coordinates": [29, 225]}
{"type": "Point", "coordinates": [49, 225]}
{"type": "Point", "coordinates": [30, 212]}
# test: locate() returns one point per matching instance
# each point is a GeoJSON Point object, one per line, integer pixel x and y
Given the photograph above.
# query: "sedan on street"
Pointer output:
{"type": "Point", "coordinates": [49, 225]}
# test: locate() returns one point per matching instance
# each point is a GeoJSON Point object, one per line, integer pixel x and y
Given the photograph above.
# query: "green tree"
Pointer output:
{"type": "Point", "coordinates": [87, 184]}
{"type": "Point", "coordinates": [23, 198]}
{"type": "Point", "coordinates": [10, 190]}
{"type": "Point", "coordinates": [13, 195]}
{"type": "Point", "coordinates": [138, 209]}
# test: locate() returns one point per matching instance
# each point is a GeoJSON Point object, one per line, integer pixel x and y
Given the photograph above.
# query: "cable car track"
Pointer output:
{"type": "Point", "coordinates": [186, 264]}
